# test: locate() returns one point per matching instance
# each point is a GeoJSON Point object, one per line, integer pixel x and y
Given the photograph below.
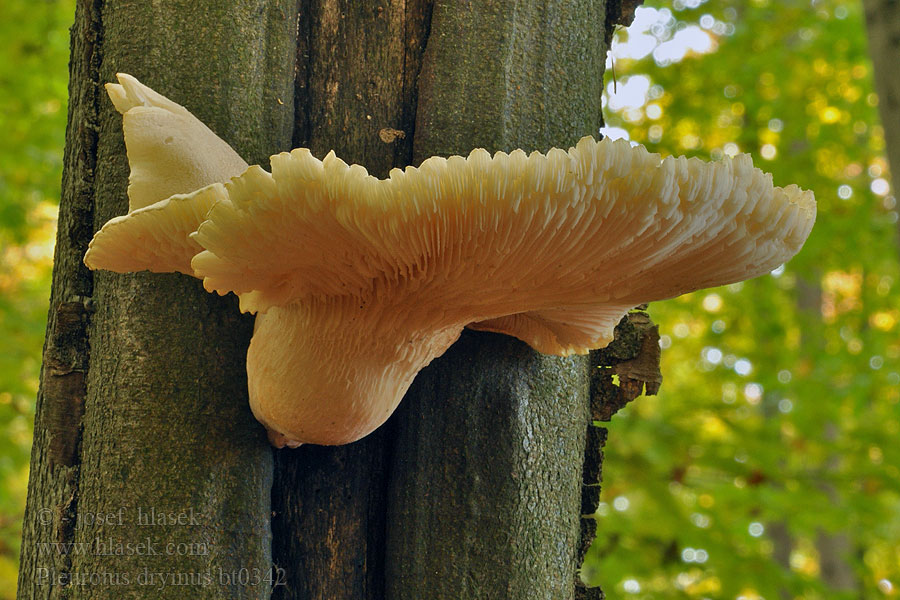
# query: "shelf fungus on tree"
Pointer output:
{"type": "Point", "coordinates": [358, 283]}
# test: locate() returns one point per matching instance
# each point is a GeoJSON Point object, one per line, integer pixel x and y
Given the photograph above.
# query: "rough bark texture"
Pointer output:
{"type": "Point", "coordinates": [357, 67]}
{"type": "Point", "coordinates": [503, 74]}
{"type": "Point", "coordinates": [485, 491]}
{"type": "Point", "coordinates": [883, 23]}
{"type": "Point", "coordinates": [621, 372]}
{"type": "Point", "coordinates": [619, 13]}
{"type": "Point", "coordinates": [486, 481]}
{"type": "Point", "coordinates": [148, 471]}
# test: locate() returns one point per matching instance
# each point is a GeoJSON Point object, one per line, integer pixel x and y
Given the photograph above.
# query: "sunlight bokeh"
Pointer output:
{"type": "Point", "coordinates": [766, 467]}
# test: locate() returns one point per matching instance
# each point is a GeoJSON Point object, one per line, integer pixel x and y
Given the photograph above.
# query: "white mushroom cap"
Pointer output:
{"type": "Point", "coordinates": [171, 154]}
{"type": "Point", "coordinates": [365, 280]}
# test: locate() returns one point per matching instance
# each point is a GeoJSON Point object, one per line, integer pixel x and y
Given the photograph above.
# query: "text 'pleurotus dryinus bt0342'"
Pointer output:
{"type": "Point", "coordinates": [359, 282]}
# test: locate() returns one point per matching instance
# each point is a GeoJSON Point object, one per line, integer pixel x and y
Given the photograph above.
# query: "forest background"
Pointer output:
{"type": "Point", "coordinates": [767, 466]}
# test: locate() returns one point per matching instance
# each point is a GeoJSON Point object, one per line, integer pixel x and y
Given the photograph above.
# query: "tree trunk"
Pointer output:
{"type": "Point", "coordinates": [143, 412]}
{"type": "Point", "coordinates": [883, 23]}
{"type": "Point", "coordinates": [473, 490]}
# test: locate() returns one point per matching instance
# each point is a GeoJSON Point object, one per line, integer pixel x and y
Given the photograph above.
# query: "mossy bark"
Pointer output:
{"type": "Point", "coordinates": [149, 476]}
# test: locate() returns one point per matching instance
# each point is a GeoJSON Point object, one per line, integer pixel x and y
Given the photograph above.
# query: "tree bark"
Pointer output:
{"type": "Point", "coordinates": [883, 24]}
{"type": "Point", "coordinates": [143, 413]}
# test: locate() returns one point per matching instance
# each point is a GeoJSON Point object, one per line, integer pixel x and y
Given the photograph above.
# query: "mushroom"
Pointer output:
{"type": "Point", "coordinates": [358, 282]}
{"type": "Point", "coordinates": [171, 154]}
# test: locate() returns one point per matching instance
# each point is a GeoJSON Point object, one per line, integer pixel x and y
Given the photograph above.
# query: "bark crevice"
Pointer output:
{"type": "Point", "coordinates": [300, 138]}
{"type": "Point", "coordinates": [620, 373]}
{"type": "Point", "coordinates": [357, 66]}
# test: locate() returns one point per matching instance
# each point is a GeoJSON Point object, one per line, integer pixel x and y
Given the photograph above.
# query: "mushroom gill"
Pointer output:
{"type": "Point", "coordinates": [362, 282]}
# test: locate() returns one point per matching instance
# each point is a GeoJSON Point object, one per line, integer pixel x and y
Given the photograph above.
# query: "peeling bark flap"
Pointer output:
{"type": "Point", "coordinates": [626, 368]}
{"type": "Point", "coordinates": [63, 381]}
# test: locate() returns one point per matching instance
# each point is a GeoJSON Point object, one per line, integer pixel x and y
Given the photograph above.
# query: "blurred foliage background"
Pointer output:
{"type": "Point", "coordinates": [768, 465]}
{"type": "Point", "coordinates": [34, 53]}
